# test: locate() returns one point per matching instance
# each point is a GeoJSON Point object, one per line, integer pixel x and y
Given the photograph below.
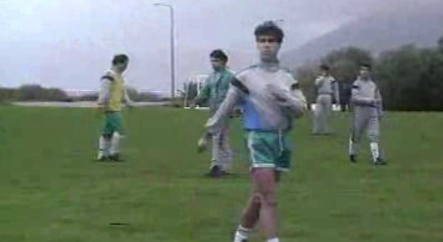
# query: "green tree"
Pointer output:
{"type": "Point", "coordinates": [399, 75]}
{"type": "Point", "coordinates": [8, 94]}
{"type": "Point", "coordinates": [344, 64]}
{"type": "Point", "coordinates": [411, 79]}
{"type": "Point", "coordinates": [306, 75]}
{"type": "Point", "coordinates": [189, 92]}
{"type": "Point", "coordinates": [35, 92]}
{"type": "Point", "coordinates": [440, 45]}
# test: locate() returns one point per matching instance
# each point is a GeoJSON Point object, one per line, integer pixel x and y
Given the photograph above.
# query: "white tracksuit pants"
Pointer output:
{"type": "Point", "coordinates": [365, 119]}
{"type": "Point", "coordinates": [221, 151]}
{"type": "Point", "coordinates": [322, 114]}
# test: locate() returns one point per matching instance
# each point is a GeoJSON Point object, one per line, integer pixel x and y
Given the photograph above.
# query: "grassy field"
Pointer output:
{"type": "Point", "coordinates": [52, 191]}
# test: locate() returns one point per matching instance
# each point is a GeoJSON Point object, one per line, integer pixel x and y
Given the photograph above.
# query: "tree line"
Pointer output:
{"type": "Point", "coordinates": [32, 92]}
{"type": "Point", "coordinates": [410, 78]}
{"type": "Point", "coordinates": [35, 92]}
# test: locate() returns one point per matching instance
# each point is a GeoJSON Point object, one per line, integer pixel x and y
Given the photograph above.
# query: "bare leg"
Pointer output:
{"type": "Point", "coordinates": [265, 181]}
{"type": "Point", "coordinates": [250, 217]}
{"type": "Point", "coordinates": [251, 214]}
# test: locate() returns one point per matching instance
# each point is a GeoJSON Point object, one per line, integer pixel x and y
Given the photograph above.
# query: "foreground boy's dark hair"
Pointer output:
{"type": "Point", "coordinates": [269, 28]}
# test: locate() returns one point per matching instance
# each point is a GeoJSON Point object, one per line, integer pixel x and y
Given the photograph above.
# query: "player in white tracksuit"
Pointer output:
{"type": "Point", "coordinates": [327, 89]}
{"type": "Point", "coordinates": [367, 112]}
{"type": "Point", "coordinates": [271, 101]}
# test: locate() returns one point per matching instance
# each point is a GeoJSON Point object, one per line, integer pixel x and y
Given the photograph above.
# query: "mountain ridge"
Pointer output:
{"type": "Point", "coordinates": [376, 33]}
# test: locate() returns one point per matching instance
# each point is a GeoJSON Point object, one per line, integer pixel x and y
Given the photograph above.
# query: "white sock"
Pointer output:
{"type": "Point", "coordinates": [352, 148]}
{"type": "Point", "coordinates": [242, 234]}
{"type": "Point", "coordinates": [274, 240]}
{"type": "Point", "coordinates": [115, 144]}
{"type": "Point", "coordinates": [104, 145]}
{"type": "Point", "coordinates": [375, 151]}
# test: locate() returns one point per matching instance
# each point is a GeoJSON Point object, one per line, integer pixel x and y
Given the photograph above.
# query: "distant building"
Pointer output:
{"type": "Point", "coordinates": [80, 93]}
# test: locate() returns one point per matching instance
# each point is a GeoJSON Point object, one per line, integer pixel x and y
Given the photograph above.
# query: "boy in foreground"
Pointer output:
{"type": "Point", "coordinates": [112, 94]}
{"type": "Point", "coordinates": [270, 102]}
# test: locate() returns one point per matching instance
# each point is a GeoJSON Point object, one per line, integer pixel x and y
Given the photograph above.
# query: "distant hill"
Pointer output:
{"type": "Point", "coordinates": [376, 33]}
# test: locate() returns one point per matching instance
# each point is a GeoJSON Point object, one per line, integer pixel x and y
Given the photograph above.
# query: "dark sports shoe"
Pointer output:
{"type": "Point", "coordinates": [116, 158]}
{"type": "Point", "coordinates": [225, 173]}
{"type": "Point", "coordinates": [103, 158]}
{"type": "Point", "coordinates": [380, 162]}
{"type": "Point", "coordinates": [215, 172]}
{"type": "Point", "coordinates": [353, 158]}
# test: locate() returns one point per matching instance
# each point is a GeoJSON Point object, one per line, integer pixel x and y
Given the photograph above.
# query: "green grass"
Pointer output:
{"type": "Point", "coordinates": [52, 191]}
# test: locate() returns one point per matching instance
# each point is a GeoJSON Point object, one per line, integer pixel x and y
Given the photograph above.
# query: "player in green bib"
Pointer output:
{"type": "Point", "coordinates": [111, 97]}
{"type": "Point", "coordinates": [214, 92]}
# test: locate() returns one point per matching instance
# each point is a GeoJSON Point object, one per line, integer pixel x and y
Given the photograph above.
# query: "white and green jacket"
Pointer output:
{"type": "Point", "coordinates": [215, 89]}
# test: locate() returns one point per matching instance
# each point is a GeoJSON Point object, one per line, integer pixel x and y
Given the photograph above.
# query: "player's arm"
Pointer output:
{"type": "Point", "coordinates": [319, 81]}
{"type": "Point", "coordinates": [292, 101]}
{"type": "Point", "coordinates": [336, 90]}
{"type": "Point", "coordinates": [104, 94]}
{"type": "Point", "coordinates": [297, 103]}
{"type": "Point", "coordinates": [127, 98]}
{"type": "Point", "coordinates": [235, 94]}
{"type": "Point", "coordinates": [379, 102]}
{"type": "Point", "coordinates": [204, 94]}
{"type": "Point", "coordinates": [237, 111]}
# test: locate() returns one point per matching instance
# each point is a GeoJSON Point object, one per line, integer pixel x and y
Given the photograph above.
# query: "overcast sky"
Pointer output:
{"type": "Point", "coordinates": [68, 43]}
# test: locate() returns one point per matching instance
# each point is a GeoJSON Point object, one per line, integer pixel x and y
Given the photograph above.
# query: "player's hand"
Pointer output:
{"type": "Point", "coordinates": [276, 92]}
{"type": "Point", "coordinates": [370, 103]}
{"type": "Point", "coordinates": [375, 103]}
{"type": "Point", "coordinates": [202, 144]}
{"type": "Point", "coordinates": [236, 113]}
{"type": "Point", "coordinates": [100, 109]}
{"type": "Point", "coordinates": [279, 98]}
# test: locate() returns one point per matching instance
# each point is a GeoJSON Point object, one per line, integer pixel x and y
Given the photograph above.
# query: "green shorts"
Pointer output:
{"type": "Point", "coordinates": [269, 150]}
{"type": "Point", "coordinates": [113, 123]}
